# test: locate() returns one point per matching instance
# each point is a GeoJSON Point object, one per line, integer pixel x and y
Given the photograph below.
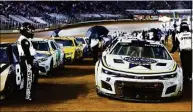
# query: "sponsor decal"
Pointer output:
{"type": "Point", "coordinates": [136, 61]}
{"type": "Point", "coordinates": [141, 44]}
{"type": "Point", "coordinates": [29, 81]}
{"type": "Point", "coordinates": [104, 64]}
{"type": "Point", "coordinates": [185, 38]}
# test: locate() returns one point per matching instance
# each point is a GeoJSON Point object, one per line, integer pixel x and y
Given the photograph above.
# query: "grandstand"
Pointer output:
{"type": "Point", "coordinates": [53, 13]}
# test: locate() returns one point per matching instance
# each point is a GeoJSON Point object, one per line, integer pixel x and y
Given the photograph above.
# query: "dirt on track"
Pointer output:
{"type": "Point", "coordinates": [73, 89]}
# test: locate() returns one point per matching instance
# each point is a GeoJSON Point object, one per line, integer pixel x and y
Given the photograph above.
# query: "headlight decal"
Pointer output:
{"type": "Point", "coordinates": [42, 60]}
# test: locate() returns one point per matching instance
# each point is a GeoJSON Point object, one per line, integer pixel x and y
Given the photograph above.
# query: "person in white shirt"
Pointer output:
{"type": "Point", "coordinates": [26, 54]}
{"type": "Point", "coordinates": [184, 39]}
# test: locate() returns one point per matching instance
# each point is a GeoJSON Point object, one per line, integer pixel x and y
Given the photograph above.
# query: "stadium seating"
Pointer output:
{"type": "Point", "coordinates": [62, 12]}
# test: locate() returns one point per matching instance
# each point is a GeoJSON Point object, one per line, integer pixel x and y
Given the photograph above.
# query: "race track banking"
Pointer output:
{"type": "Point", "coordinates": [73, 87]}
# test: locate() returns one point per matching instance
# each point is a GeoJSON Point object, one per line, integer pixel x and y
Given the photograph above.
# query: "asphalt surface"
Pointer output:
{"type": "Point", "coordinates": [72, 88]}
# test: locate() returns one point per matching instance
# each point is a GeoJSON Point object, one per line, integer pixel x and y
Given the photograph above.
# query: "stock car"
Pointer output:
{"type": "Point", "coordinates": [138, 70]}
{"type": "Point", "coordinates": [49, 55]}
{"type": "Point", "coordinates": [84, 42]}
{"type": "Point", "coordinates": [71, 48]}
{"type": "Point", "coordinates": [10, 70]}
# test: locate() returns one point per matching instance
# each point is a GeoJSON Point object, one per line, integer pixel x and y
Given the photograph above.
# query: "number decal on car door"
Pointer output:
{"type": "Point", "coordinates": [18, 74]}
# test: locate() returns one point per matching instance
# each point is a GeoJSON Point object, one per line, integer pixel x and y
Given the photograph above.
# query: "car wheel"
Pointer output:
{"type": "Point", "coordinates": [49, 73]}
{"type": "Point", "coordinates": [180, 95]}
{"type": "Point", "coordinates": [9, 88]}
{"type": "Point", "coordinates": [99, 93]}
{"type": "Point", "coordinates": [63, 64]}
{"type": "Point", "coordinates": [81, 59]}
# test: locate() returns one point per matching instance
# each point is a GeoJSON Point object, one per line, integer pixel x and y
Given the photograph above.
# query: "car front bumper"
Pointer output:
{"type": "Point", "coordinates": [138, 89]}
{"type": "Point", "coordinates": [44, 67]}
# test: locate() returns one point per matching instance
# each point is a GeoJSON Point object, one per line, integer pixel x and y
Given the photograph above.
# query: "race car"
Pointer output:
{"type": "Point", "coordinates": [71, 48]}
{"type": "Point", "coordinates": [82, 41]}
{"type": "Point", "coordinates": [49, 55]}
{"type": "Point", "coordinates": [10, 71]}
{"type": "Point", "coordinates": [138, 70]}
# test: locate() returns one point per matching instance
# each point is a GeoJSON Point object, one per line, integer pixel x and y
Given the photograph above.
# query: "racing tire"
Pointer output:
{"type": "Point", "coordinates": [180, 96]}
{"type": "Point", "coordinates": [49, 73]}
{"type": "Point", "coordinates": [62, 66]}
{"type": "Point", "coordinates": [99, 93]}
{"type": "Point", "coordinates": [81, 59]}
{"type": "Point", "coordinates": [9, 88]}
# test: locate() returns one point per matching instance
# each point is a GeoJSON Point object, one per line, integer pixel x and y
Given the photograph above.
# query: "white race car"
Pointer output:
{"type": "Point", "coordinates": [49, 55]}
{"type": "Point", "coordinates": [136, 70]}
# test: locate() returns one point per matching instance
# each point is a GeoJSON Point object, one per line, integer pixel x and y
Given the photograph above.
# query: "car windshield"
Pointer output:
{"type": "Point", "coordinates": [64, 42]}
{"type": "Point", "coordinates": [80, 40]}
{"type": "Point", "coordinates": [141, 50]}
{"type": "Point", "coordinates": [40, 45]}
{"type": "Point", "coordinates": [3, 55]}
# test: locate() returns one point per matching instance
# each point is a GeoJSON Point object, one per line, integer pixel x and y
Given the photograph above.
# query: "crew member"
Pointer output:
{"type": "Point", "coordinates": [175, 42]}
{"type": "Point", "coordinates": [55, 33]}
{"type": "Point", "coordinates": [95, 44]}
{"type": "Point", "coordinates": [184, 40]}
{"type": "Point", "coordinates": [26, 54]}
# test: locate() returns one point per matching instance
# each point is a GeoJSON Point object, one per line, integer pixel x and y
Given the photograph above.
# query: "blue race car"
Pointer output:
{"type": "Point", "coordinates": [10, 70]}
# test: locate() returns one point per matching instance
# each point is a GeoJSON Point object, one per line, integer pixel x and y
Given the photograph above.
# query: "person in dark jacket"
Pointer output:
{"type": "Point", "coordinates": [175, 42]}
{"type": "Point", "coordinates": [26, 54]}
{"type": "Point", "coordinates": [184, 41]}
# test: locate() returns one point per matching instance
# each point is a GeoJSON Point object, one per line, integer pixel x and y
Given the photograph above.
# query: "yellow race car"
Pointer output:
{"type": "Point", "coordinates": [71, 48]}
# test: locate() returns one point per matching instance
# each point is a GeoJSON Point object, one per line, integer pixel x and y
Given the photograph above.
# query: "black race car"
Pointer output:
{"type": "Point", "coordinates": [11, 78]}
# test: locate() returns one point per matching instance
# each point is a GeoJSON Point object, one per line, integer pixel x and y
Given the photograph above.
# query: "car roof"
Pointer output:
{"type": "Point", "coordinates": [40, 39]}
{"type": "Point", "coordinates": [65, 38]}
{"type": "Point", "coordinates": [5, 44]}
{"type": "Point", "coordinates": [131, 39]}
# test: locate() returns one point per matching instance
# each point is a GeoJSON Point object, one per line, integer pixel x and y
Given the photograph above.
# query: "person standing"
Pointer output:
{"type": "Point", "coordinates": [175, 42]}
{"type": "Point", "coordinates": [56, 32]}
{"type": "Point", "coordinates": [184, 44]}
{"type": "Point", "coordinates": [26, 54]}
{"type": "Point", "coordinates": [95, 45]}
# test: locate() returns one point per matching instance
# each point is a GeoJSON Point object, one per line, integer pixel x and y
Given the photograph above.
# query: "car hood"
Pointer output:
{"type": "Point", "coordinates": [3, 67]}
{"type": "Point", "coordinates": [138, 65]}
{"type": "Point", "coordinates": [40, 55]}
{"type": "Point", "coordinates": [69, 49]}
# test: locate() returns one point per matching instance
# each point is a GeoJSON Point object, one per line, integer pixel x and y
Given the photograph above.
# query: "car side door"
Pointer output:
{"type": "Point", "coordinates": [53, 51]}
{"type": "Point", "coordinates": [14, 58]}
{"type": "Point", "coordinates": [60, 54]}
{"type": "Point", "coordinates": [78, 50]}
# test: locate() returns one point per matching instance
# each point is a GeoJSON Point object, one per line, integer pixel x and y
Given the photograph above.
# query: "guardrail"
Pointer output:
{"type": "Point", "coordinates": [65, 26]}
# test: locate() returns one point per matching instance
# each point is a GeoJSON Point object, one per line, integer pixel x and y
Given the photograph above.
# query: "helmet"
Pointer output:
{"type": "Point", "coordinates": [184, 27]}
{"type": "Point", "coordinates": [27, 30]}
